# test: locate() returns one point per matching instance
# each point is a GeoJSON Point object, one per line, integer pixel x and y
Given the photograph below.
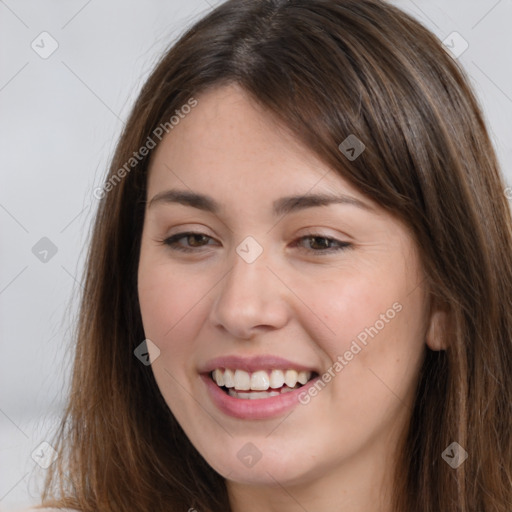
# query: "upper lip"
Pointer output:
{"type": "Point", "coordinates": [254, 363]}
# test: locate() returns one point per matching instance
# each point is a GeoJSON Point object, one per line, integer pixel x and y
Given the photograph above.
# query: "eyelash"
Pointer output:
{"type": "Point", "coordinates": [172, 242]}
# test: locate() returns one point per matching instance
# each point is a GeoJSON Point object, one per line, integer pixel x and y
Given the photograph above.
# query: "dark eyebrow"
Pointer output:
{"type": "Point", "coordinates": [281, 206]}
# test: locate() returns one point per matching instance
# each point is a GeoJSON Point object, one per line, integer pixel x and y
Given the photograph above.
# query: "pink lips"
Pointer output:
{"type": "Point", "coordinates": [263, 408]}
{"type": "Point", "coordinates": [260, 409]}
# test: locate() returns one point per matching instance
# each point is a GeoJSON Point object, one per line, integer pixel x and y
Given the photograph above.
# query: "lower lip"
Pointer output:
{"type": "Point", "coordinates": [261, 408]}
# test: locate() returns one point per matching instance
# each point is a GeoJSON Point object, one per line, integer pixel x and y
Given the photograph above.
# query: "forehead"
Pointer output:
{"type": "Point", "coordinates": [229, 141]}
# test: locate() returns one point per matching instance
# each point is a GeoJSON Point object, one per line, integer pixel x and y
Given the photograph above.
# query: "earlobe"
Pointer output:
{"type": "Point", "coordinates": [436, 336]}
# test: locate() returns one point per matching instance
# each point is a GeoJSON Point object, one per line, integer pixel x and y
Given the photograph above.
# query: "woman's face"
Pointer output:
{"type": "Point", "coordinates": [272, 289]}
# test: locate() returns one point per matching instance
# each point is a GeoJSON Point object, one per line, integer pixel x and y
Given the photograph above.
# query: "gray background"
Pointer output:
{"type": "Point", "coordinates": [60, 119]}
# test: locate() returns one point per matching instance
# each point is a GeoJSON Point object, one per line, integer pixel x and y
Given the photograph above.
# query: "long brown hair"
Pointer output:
{"type": "Point", "coordinates": [326, 69]}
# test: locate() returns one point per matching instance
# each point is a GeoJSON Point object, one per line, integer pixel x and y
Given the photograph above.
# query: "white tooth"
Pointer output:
{"type": "Point", "coordinates": [260, 380]}
{"type": "Point", "coordinates": [241, 394]}
{"type": "Point", "coordinates": [218, 377]}
{"type": "Point", "coordinates": [286, 390]}
{"type": "Point", "coordinates": [276, 379]}
{"type": "Point", "coordinates": [290, 378]}
{"type": "Point", "coordinates": [253, 396]}
{"type": "Point", "coordinates": [229, 380]}
{"type": "Point", "coordinates": [242, 380]}
{"type": "Point", "coordinates": [261, 394]}
{"type": "Point", "coordinates": [303, 377]}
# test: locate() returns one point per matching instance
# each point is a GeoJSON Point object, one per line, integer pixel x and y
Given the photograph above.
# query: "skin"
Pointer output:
{"type": "Point", "coordinates": [336, 452]}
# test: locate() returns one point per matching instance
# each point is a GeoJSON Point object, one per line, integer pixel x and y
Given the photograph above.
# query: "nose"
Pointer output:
{"type": "Point", "coordinates": [250, 299]}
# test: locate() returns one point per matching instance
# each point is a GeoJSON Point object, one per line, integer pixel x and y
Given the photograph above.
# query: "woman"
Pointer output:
{"type": "Point", "coordinates": [298, 288]}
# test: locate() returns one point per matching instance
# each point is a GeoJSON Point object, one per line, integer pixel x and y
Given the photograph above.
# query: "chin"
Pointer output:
{"type": "Point", "coordinates": [270, 470]}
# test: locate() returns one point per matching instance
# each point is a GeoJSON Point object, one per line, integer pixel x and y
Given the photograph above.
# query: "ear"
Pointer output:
{"type": "Point", "coordinates": [436, 336]}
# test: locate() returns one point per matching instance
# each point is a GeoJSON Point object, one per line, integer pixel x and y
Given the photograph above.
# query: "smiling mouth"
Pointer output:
{"type": "Point", "coordinates": [259, 384]}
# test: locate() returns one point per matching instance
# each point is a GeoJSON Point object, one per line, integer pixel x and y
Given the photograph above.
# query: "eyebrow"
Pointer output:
{"type": "Point", "coordinates": [281, 206]}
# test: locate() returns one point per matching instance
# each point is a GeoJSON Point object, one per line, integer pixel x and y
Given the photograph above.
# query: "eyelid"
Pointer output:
{"type": "Point", "coordinates": [171, 242]}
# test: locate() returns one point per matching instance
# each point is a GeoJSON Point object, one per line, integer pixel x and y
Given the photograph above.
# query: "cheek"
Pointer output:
{"type": "Point", "coordinates": [373, 321]}
{"type": "Point", "coordinates": [347, 307]}
{"type": "Point", "coordinates": [170, 303]}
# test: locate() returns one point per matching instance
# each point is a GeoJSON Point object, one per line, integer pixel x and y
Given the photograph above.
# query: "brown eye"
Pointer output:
{"type": "Point", "coordinates": [194, 241]}
{"type": "Point", "coordinates": [322, 244]}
